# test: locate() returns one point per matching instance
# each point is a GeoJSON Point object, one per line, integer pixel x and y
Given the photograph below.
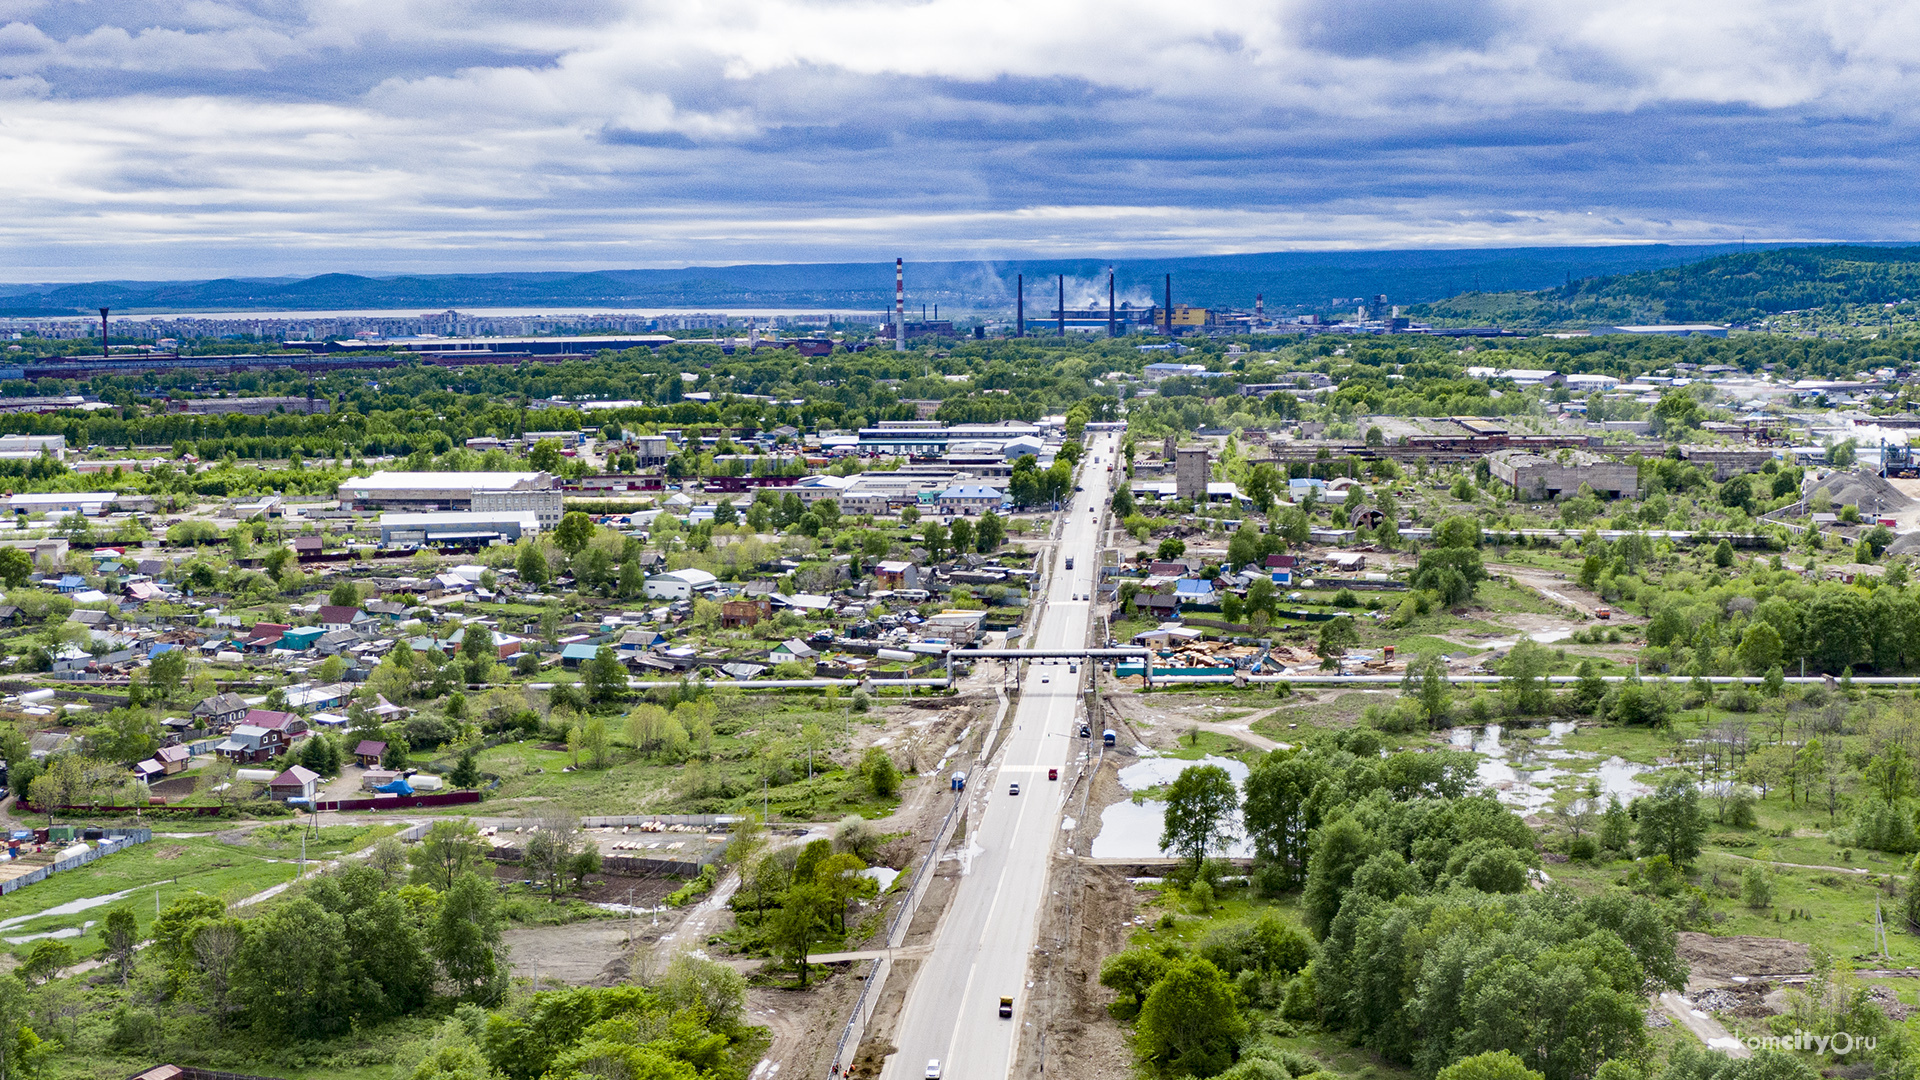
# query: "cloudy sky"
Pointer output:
{"type": "Point", "coordinates": [188, 138]}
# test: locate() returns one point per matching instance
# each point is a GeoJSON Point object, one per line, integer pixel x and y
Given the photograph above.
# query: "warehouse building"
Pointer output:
{"type": "Point", "coordinates": [456, 528]}
{"type": "Point", "coordinates": [427, 492]}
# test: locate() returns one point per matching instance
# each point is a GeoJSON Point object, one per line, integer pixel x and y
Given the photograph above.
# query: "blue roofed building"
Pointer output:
{"type": "Point", "coordinates": [970, 499]}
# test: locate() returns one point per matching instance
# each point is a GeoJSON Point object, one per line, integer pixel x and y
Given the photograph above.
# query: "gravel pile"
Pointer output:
{"type": "Point", "coordinates": [1863, 489]}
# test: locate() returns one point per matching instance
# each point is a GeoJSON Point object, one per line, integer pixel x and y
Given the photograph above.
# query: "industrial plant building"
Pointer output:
{"type": "Point", "coordinates": [462, 528]}
{"type": "Point", "coordinates": [492, 492]}
{"type": "Point", "coordinates": [1533, 476]}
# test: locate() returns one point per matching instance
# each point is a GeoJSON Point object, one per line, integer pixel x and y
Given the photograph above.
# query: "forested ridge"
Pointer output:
{"type": "Point", "coordinates": [1734, 288]}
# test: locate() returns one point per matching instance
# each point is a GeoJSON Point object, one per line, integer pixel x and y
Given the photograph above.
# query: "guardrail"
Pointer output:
{"type": "Point", "coordinates": [897, 926]}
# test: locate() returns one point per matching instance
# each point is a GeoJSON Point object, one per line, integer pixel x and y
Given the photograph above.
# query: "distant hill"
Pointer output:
{"type": "Point", "coordinates": [1292, 282]}
{"type": "Point", "coordinates": [1732, 288]}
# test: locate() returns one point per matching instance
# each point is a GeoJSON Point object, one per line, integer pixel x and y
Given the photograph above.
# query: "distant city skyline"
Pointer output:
{"type": "Point", "coordinates": [161, 141]}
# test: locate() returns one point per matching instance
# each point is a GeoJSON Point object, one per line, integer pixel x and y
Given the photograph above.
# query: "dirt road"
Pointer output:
{"type": "Point", "coordinates": [1704, 1027]}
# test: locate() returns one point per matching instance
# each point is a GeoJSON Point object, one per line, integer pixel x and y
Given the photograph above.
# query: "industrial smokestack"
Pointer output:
{"type": "Point", "coordinates": [1259, 308]}
{"type": "Point", "coordinates": [1169, 305]}
{"type": "Point", "coordinates": [1063, 305]}
{"type": "Point", "coordinates": [1020, 305]}
{"type": "Point", "coordinates": [103, 331]}
{"type": "Point", "coordinates": [1110, 303]}
{"type": "Point", "coordinates": [899, 305]}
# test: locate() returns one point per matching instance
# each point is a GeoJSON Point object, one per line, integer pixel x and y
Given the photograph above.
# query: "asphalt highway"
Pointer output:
{"type": "Point", "coordinates": [981, 949]}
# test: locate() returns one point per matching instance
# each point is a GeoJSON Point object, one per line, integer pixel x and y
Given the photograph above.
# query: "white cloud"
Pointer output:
{"type": "Point", "coordinates": [424, 133]}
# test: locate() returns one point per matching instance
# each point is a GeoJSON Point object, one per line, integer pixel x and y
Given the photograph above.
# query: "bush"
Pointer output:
{"type": "Point", "coordinates": [1756, 888]}
{"type": "Point", "coordinates": [1884, 828]}
{"type": "Point", "coordinates": [883, 779]}
{"type": "Point", "coordinates": [698, 887]}
{"type": "Point", "coordinates": [1583, 849]}
{"type": "Point", "coordinates": [1345, 599]}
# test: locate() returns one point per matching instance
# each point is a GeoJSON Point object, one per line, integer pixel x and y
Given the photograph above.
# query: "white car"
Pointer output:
{"type": "Point", "coordinates": [933, 1069]}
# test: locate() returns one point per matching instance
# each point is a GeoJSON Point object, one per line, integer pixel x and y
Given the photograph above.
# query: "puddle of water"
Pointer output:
{"type": "Point", "coordinates": [1154, 772]}
{"type": "Point", "coordinates": [1543, 637]}
{"type": "Point", "coordinates": [1130, 830]}
{"type": "Point", "coordinates": [69, 932]}
{"type": "Point", "coordinates": [1531, 790]}
{"type": "Point", "coordinates": [882, 874]}
{"type": "Point", "coordinates": [631, 909]}
{"type": "Point", "coordinates": [71, 907]}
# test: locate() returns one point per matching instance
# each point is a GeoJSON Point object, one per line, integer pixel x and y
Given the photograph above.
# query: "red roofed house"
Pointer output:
{"type": "Point", "coordinates": [338, 616]}
{"type": "Point", "coordinates": [369, 753]}
{"type": "Point", "coordinates": [264, 636]}
{"type": "Point", "coordinates": [298, 782]}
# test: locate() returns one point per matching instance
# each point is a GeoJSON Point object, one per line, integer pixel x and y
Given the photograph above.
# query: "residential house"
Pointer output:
{"type": "Point", "coordinates": [248, 744]}
{"type": "Point", "coordinates": [576, 654]}
{"type": "Point", "coordinates": [264, 637]}
{"type": "Point", "coordinates": [369, 753]}
{"type": "Point", "coordinates": [1166, 634]}
{"type": "Point", "coordinates": [805, 603]}
{"type": "Point", "coordinates": [325, 696]}
{"type": "Point", "coordinates": [1280, 562]}
{"type": "Point", "coordinates": [298, 782]}
{"type": "Point", "coordinates": [91, 618]}
{"type": "Point", "coordinates": [338, 616]}
{"type": "Point", "coordinates": [897, 574]}
{"type": "Point", "coordinates": [299, 638]}
{"type": "Point", "coordinates": [792, 650]}
{"type": "Point", "coordinates": [173, 759]}
{"type": "Point", "coordinates": [739, 614]}
{"type": "Point", "coordinates": [274, 720]}
{"type": "Point", "coordinates": [70, 583]}
{"type": "Point", "coordinates": [390, 610]}
{"type": "Point", "coordinates": [1161, 605]}
{"type": "Point", "coordinates": [9, 615]}
{"type": "Point", "coordinates": [142, 591]}
{"type": "Point", "coordinates": [335, 642]}
{"type": "Point", "coordinates": [1347, 562]}
{"type": "Point", "coordinates": [221, 710]}
{"type": "Point", "coordinates": [1195, 591]}
{"type": "Point", "coordinates": [505, 646]}
{"type": "Point", "coordinates": [386, 710]}
{"type": "Point", "coordinates": [307, 545]}
{"type": "Point", "coordinates": [969, 499]}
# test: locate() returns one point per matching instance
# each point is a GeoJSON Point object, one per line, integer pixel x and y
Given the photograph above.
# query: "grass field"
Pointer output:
{"type": "Point", "coordinates": [168, 867]}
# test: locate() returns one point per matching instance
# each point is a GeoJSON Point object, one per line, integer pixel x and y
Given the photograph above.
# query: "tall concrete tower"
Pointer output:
{"type": "Point", "coordinates": [1190, 474]}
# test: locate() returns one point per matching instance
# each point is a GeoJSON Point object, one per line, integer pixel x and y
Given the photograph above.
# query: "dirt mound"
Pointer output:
{"type": "Point", "coordinates": [1905, 545]}
{"type": "Point", "coordinates": [1864, 489]}
{"type": "Point", "coordinates": [1721, 958]}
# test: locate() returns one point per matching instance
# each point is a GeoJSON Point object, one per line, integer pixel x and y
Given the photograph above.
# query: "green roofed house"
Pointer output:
{"type": "Point", "coordinates": [300, 638]}
{"type": "Point", "coordinates": [574, 655]}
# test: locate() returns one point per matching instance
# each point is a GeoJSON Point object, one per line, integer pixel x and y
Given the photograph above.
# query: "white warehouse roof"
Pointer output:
{"type": "Point", "coordinates": [444, 481]}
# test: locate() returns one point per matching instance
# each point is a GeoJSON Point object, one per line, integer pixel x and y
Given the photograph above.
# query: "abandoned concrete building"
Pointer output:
{"type": "Point", "coordinates": [1535, 476]}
